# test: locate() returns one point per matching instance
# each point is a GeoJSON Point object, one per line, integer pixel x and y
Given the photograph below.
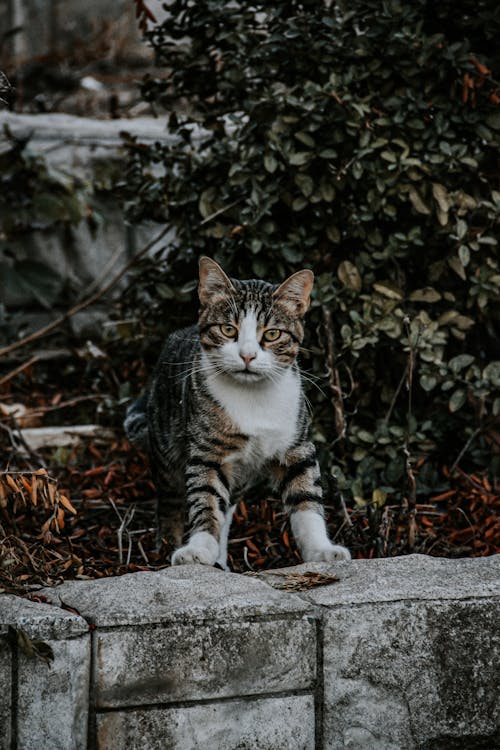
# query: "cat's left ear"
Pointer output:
{"type": "Point", "coordinates": [295, 292]}
{"type": "Point", "coordinates": [213, 281]}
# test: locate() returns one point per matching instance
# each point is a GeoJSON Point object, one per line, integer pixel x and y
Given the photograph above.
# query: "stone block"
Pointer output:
{"type": "Point", "coordinates": [284, 723]}
{"type": "Point", "coordinates": [40, 620]}
{"type": "Point", "coordinates": [407, 675]}
{"type": "Point", "coordinates": [52, 699]}
{"type": "Point", "coordinates": [5, 692]}
{"type": "Point", "coordinates": [193, 632]}
{"type": "Point", "coordinates": [91, 150]}
{"type": "Point", "coordinates": [191, 661]}
{"type": "Point", "coordinates": [410, 653]}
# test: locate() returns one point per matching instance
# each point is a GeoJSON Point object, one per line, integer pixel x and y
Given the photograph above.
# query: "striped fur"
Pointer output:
{"type": "Point", "coordinates": [225, 406]}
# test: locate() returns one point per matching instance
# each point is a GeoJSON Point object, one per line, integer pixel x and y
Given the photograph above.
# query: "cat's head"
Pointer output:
{"type": "Point", "coordinates": [251, 330]}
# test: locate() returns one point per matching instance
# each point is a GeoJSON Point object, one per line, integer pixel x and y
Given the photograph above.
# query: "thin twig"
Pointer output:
{"type": "Point", "coordinates": [125, 521]}
{"type": "Point", "coordinates": [333, 375]}
{"type": "Point", "coordinates": [411, 500]}
{"type": "Point", "coordinates": [38, 412]}
{"type": "Point", "coordinates": [219, 212]}
{"type": "Point", "coordinates": [95, 284]}
{"type": "Point", "coordinates": [396, 394]}
{"type": "Point", "coordinates": [344, 510]}
{"type": "Point", "coordinates": [143, 553]}
{"type": "Point", "coordinates": [465, 448]}
{"type": "Point", "coordinates": [12, 374]}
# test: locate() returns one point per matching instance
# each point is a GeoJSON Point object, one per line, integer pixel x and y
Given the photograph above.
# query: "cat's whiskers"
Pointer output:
{"type": "Point", "coordinates": [206, 367]}
{"type": "Point", "coordinates": [310, 380]}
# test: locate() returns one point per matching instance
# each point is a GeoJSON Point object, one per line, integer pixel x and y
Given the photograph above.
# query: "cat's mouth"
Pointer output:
{"type": "Point", "coordinates": [246, 376]}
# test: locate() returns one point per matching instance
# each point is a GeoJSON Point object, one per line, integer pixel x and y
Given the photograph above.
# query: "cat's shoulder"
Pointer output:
{"type": "Point", "coordinates": [180, 345]}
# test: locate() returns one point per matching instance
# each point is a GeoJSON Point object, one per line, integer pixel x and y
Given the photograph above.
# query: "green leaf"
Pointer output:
{"type": "Point", "coordinates": [389, 156]}
{"type": "Point", "coordinates": [464, 255]}
{"type": "Point", "coordinates": [327, 191]}
{"type": "Point", "coordinates": [270, 163]}
{"type": "Point", "coordinates": [379, 498]}
{"type": "Point", "coordinates": [389, 289]}
{"type": "Point", "coordinates": [428, 382]}
{"type": "Point", "coordinates": [299, 158]}
{"type": "Point", "coordinates": [292, 254]}
{"type": "Point", "coordinates": [299, 204]}
{"type": "Point", "coordinates": [441, 197]}
{"type": "Point", "coordinates": [428, 294]}
{"type": "Point", "coordinates": [457, 400]}
{"type": "Point", "coordinates": [349, 276]}
{"type": "Point", "coordinates": [417, 202]}
{"type": "Point", "coordinates": [305, 138]}
{"type": "Point", "coordinates": [493, 120]}
{"type": "Point", "coordinates": [333, 233]}
{"type": "Point", "coordinates": [456, 264]}
{"type": "Point", "coordinates": [366, 436]}
{"type": "Point", "coordinates": [458, 363]}
{"type": "Point", "coordinates": [461, 229]}
{"type": "Point", "coordinates": [206, 203]}
{"type": "Point", "coordinates": [305, 183]}
{"type": "Point", "coordinates": [328, 153]}
{"type": "Point", "coordinates": [492, 373]}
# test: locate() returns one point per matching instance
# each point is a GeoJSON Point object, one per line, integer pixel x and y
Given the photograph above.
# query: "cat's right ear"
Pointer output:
{"type": "Point", "coordinates": [213, 281]}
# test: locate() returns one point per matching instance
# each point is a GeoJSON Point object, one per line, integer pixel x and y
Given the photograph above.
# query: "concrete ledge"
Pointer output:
{"type": "Point", "coordinates": [47, 702]}
{"type": "Point", "coordinates": [62, 128]}
{"type": "Point", "coordinates": [399, 654]}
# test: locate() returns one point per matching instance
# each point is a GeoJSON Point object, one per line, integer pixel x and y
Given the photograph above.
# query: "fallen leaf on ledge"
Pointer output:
{"type": "Point", "coordinates": [311, 579]}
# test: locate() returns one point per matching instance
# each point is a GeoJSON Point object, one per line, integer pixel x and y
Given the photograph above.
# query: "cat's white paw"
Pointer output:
{"type": "Point", "coordinates": [201, 548]}
{"type": "Point", "coordinates": [327, 553]}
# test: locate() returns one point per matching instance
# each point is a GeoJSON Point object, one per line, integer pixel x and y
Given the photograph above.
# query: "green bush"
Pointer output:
{"type": "Point", "coordinates": [361, 140]}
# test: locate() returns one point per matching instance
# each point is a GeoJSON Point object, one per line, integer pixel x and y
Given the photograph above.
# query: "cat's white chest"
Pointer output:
{"type": "Point", "coordinates": [267, 414]}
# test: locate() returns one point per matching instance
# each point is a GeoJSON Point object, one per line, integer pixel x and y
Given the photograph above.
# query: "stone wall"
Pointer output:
{"type": "Point", "coordinates": [398, 654]}
{"type": "Point", "coordinates": [47, 27]}
{"type": "Point", "coordinates": [80, 147]}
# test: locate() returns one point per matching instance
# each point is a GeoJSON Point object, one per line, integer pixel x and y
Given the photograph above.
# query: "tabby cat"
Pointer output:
{"type": "Point", "coordinates": [225, 407]}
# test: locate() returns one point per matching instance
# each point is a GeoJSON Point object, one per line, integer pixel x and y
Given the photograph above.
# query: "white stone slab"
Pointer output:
{"type": "Point", "coordinates": [84, 130]}
{"type": "Point", "coordinates": [409, 577]}
{"type": "Point", "coordinates": [53, 701]}
{"type": "Point", "coordinates": [264, 724]}
{"type": "Point", "coordinates": [178, 594]}
{"type": "Point", "coordinates": [411, 675]}
{"type": "Point", "coordinates": [40, 620]}
{"type": "Point", "coordinates": [193, 661]}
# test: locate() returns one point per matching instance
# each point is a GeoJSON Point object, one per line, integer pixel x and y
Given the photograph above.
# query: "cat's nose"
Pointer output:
{"type": "Point", "coordinates": [247, 358]}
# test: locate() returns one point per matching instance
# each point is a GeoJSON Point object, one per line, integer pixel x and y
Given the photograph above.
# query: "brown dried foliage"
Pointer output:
{"type": "Point", "coordinates": [103, 522]}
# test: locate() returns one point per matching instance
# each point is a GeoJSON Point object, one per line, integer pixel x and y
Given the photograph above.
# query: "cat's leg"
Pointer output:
{"type": "Point", "coordinates": [223, 539]}
{"type": "Point", "coordinates": [169, 519]}
{"type": "Point", "coordinates": [207, 489]}
{"type": "Point", "coordinates": [302, 495]}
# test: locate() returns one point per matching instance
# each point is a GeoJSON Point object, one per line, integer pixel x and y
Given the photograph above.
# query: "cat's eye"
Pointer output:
{"type": "Point", "coordinates": [229, 330]}
{"type": "Point", "coordinates": [272, 334]}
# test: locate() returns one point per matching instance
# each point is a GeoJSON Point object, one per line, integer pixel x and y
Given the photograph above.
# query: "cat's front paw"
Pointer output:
{"type": "Point", "coordinates": [201, 548]}
{"type": "Point", "coordinates": [327, 553]}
